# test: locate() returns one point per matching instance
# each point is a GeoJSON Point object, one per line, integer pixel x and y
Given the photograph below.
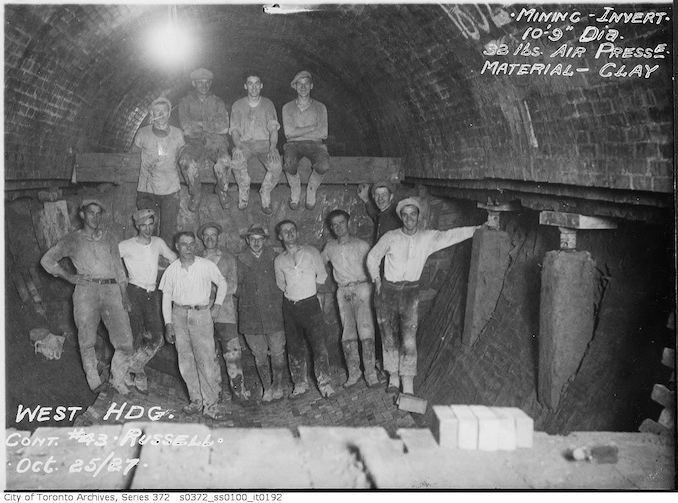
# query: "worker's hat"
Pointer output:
{"type": "Point", "coordinates": [140, 216]}
{"type": "Point", "coordinates": [408, 201]}
{"type": "Point", "coordinates": [87, 202]}
{"type": "Point", "coordinates": [301, 75]}
{"type": "Point", "coordinates": [202, 74]}
{"type": "Point", "coordinates": [208, 225]}
{"type": "Point", "coordinates": [255, 230]}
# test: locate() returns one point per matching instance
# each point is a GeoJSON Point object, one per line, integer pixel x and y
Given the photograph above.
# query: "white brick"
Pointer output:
{"type": "Point", "coordinates": [507, 429]}
{"type": "Point", "coordinates": [467, 437]}
{"type": "Point", "coordinates": [446, 426]}
{"type": "Point", "coordinates": [524, 426]}
{"type": "Point", "coordinates": [488, 428]}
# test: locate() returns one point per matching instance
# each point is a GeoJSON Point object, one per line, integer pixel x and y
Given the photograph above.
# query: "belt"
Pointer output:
{"type": "Point", "coordinates": [102, 281]}
{"type": "Point", "coordinates": [353, 283]}
{"type": "Point", "coordinates": [401, 285]}
{"type": "Point", "coordinates": [143, 288]}
{"type": "Point", "coordinates": [300, 300]}
{"type": "Point", "coordinates": [197, 308]}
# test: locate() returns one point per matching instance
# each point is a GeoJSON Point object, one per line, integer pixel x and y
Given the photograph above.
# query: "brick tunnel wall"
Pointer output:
{"type": "Point", "coordinates": [611, 389]}
{"type": "Point", "coordinates": [399, 80]}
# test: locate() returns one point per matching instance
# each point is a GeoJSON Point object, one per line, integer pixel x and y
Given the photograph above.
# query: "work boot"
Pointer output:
{"type": "Point", "coordinates": [265, 378]}
{"type": "Point", "coordinates": [192, 177]}
{"type": "Point", "coordinates": [233, 359]}
{"type": "Point", "coordinates": [326, 390]}
{"type": "Point", "coordinates": [295, 190]}
{"type": "Point", "coordinates": [120, 387]}
{"type": "Point", "coordinates": [408, 384]}
{"type": "Point", "coordinates": [299, 389]}
{"type": "Point", "coordinates": [93, 379]}
{"type": "Point", "coordinates": [141, 382]}
{"type": "Point", "coordinates": [192, 408]}
{"type": "Point", "coordinates": [368, 363]}
{"type": "Point", "coordinates": [224, 200]}
{"type": "Point", "coordinates": [278, 364]}
{"type": "Point", "coordinates": [215, 411]}
{"type": "Point", "coordinates": [393, 382]}
{"type": "Point", "coordinates": [221, 172]}
{"type": "Point", "coordinates": [313, 183]}
{"type": "Point", "coordinates": [352, 362]}
{"type": "Point", "coordinates": [239, 390]}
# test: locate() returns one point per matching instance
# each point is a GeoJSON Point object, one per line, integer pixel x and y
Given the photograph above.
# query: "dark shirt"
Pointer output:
{"type": "Point", "coordinates": [384, 221]}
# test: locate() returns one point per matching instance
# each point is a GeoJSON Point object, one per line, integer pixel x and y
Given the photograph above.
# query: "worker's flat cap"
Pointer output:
{"type": "Point", "coordinates": [255, 230]}
{"type": "Point", "coordinates": [302, 74]}
{"type": "Point", "coordinates": [87, 202]}
{"type": "Point", "coordinates": [141, 216]}
{"type": "Point", "coordinates": [202, 74]}
{"type": "Point", "coordinates": [382, 184]}
{"type": "Point", "coordinates": [209, 225]}
{"type": "Point", "coordinates": [408, 201]}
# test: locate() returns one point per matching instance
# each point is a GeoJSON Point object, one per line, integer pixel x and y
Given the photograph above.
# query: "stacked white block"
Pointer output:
{"type": "Point", "coordinates": [482, 428]}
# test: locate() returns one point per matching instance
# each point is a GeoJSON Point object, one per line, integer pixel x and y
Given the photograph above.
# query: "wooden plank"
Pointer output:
{"type": "Point", "coordinates": [663, 396]}
{"type": "Point", "coordinates": [575, 221]}
{"type": "Point", "coordinates": [669, 358]}
{"type": "Point", "coordinates": [124, 168]}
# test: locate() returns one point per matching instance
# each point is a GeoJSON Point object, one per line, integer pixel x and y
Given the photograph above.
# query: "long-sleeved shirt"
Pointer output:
{"type": "Point", "coordinates": [159, 173]}
{"type": "Point", "coordinates": [254, 123]}
{"type": "Point", "coordinates": [192, 286]}
{"type": "Point", "coordinates": [211, 111]}
{"type": "Point", "coordinates": [348, 260]}
{"type": "Point", "coordinates": [293, 117]}
{"type": "Point", "coordinates": [141, 260]}
{"type": "Point", "coordinates": [227, 266]}
{"type": "Point", "coordinates": [406, 255]}
{"type": "Point", "coordinates": [94, 258]}
{"type": "Point", "coordinates": [296, 274]}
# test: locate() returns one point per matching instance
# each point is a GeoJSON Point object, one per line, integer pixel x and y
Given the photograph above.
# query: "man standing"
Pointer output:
{"type": "Point", "coordinates": [397, 299]}
{"type": "Point", "coordinates": [384, 216]}
{"type": "Point", "coordinates": [260, 310]}
{"type": "Point", "coordinates": [305, 124]}
{"type": "Point", "coordinates": [297, 271]}
{"type": "Point", "coordinates": [204, 119]}
{"type": "Point", "coordinates": [140, 255]}
{"type": "Point", "coordinates": [225, 324]}
{"type": "Point", "coordinates": [354, 293]}
{"type": "Point", "coordinates": [254, 129]}
{"type": "Point", "coordinates": [158, 187]}
{"type": "Point", "coordinates": [186, 287]}
{"type": "Point", "coordinates": [100, 292]}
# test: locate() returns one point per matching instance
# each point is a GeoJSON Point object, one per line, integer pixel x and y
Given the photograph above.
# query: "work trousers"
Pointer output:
{"type": "Point", "coordinates": [258, 149]}
{"type": "Point", "coordinates": [314, 151]}
{"type": "Point", "coordinates": [147, 326]}
{"type": "Point", "coordinates": [397, 308]}
{"type": "Point", "coordinates": [93, 303]}
{"type": "Point", "coordinates": [263, 345]}
{"type": "Point", "coordinates": [166, 208]}
{"type": "Point", "coordinates": [304, 321]}
{"type": "Point", "coordinates": [197, 354]}
{"type": "Point", "coordinates": [355, 310]}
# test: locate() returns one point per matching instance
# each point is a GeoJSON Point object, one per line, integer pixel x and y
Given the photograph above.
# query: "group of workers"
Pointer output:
{"type": "Point", "coordinates": [270, 299]}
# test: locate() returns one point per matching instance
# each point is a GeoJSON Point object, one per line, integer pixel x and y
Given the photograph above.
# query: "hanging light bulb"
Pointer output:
{"type": "Point", "coordinates": [168, 43]}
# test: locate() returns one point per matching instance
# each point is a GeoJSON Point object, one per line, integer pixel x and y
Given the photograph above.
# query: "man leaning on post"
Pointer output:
{"type": "Point", "coordinates": [100, 292]}
{"type": "Point", "coordinates": [397, 296]}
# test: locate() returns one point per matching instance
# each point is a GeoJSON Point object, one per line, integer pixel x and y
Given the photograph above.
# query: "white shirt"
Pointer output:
{"type": "Point", "coordinates": [297, 273]}
{"type": "Point", "coordinates": [348, 259]}
{"type": "Point", "coordinates": [141, 260]}
{"type": "Point", "coordinates": [406, 255]}
{"type": "Point", "coordinates": [192, 286]}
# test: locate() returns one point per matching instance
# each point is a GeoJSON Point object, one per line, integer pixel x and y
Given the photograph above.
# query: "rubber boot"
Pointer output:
{"type": "Point", "coordinates": [295, 190]}
{"type": "Point", "coordinates": [408, 384]}
{"type": "Point", "coordinates": [242, 178]}
{"type": "Point", "coordinates": [232, 357]}
{"type": "Point", "coordinates": [393, 382]}
{"type": "Point", "coordinates": [368, 363]}
{"type": "Point", "coordinates": [192, 176]}
{"type": "Point", "coordinates": [93, 379]}
{"type": "Point", "coordinates": [265, 378]}
{"type": "Point", "coordinates": [352, 362]}
{"type": "Point", "coordinates": [278, 364]}
{"type": "Point", "coordinates": [313, 183]}
{"type": "Point", "coordinates": [222, 169]}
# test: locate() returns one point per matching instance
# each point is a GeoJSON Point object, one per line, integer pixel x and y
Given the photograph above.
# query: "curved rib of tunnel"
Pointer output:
{"type": "Point", "coordinates": [399, 81]}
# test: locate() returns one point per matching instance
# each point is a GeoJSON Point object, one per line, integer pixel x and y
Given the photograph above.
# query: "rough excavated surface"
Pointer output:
{"type": "Point", "coordinates": [611, 390]}
{"type": "Point", "coordinates": [321, 458]}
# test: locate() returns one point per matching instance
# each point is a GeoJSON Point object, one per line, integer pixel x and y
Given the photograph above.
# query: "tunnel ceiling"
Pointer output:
{"type": "Point", "coordinates": [398, 80]}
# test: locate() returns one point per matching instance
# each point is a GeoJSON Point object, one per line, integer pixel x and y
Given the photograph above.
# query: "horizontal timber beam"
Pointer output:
{"type": "Point", "coordinates": [121, 168]}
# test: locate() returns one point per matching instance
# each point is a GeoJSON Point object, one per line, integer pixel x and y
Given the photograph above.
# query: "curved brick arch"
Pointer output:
{"type": "Point", "coordinates": [399, 80]}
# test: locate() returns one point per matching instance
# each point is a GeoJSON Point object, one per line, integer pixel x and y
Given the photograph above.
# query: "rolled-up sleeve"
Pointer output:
{"type": "Point", "coordinates": [321, 130]}
{"type": "Point", "coordinates": [272, 123]}
{"type": "Point", "coordinates": [236, 120]}
{"type": "Point", "coordinates": [50, 260]}
{"type": "Point", "coordinates": [218, 279]}
{"type": "Point", "coordinates": [279, 274]}
{"type": "Point", "coordinates": [167, 288]}
{"type": "Point", "coordinates": [443, 239]}
{"type": "Point", "coordinates": [320, 271]}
